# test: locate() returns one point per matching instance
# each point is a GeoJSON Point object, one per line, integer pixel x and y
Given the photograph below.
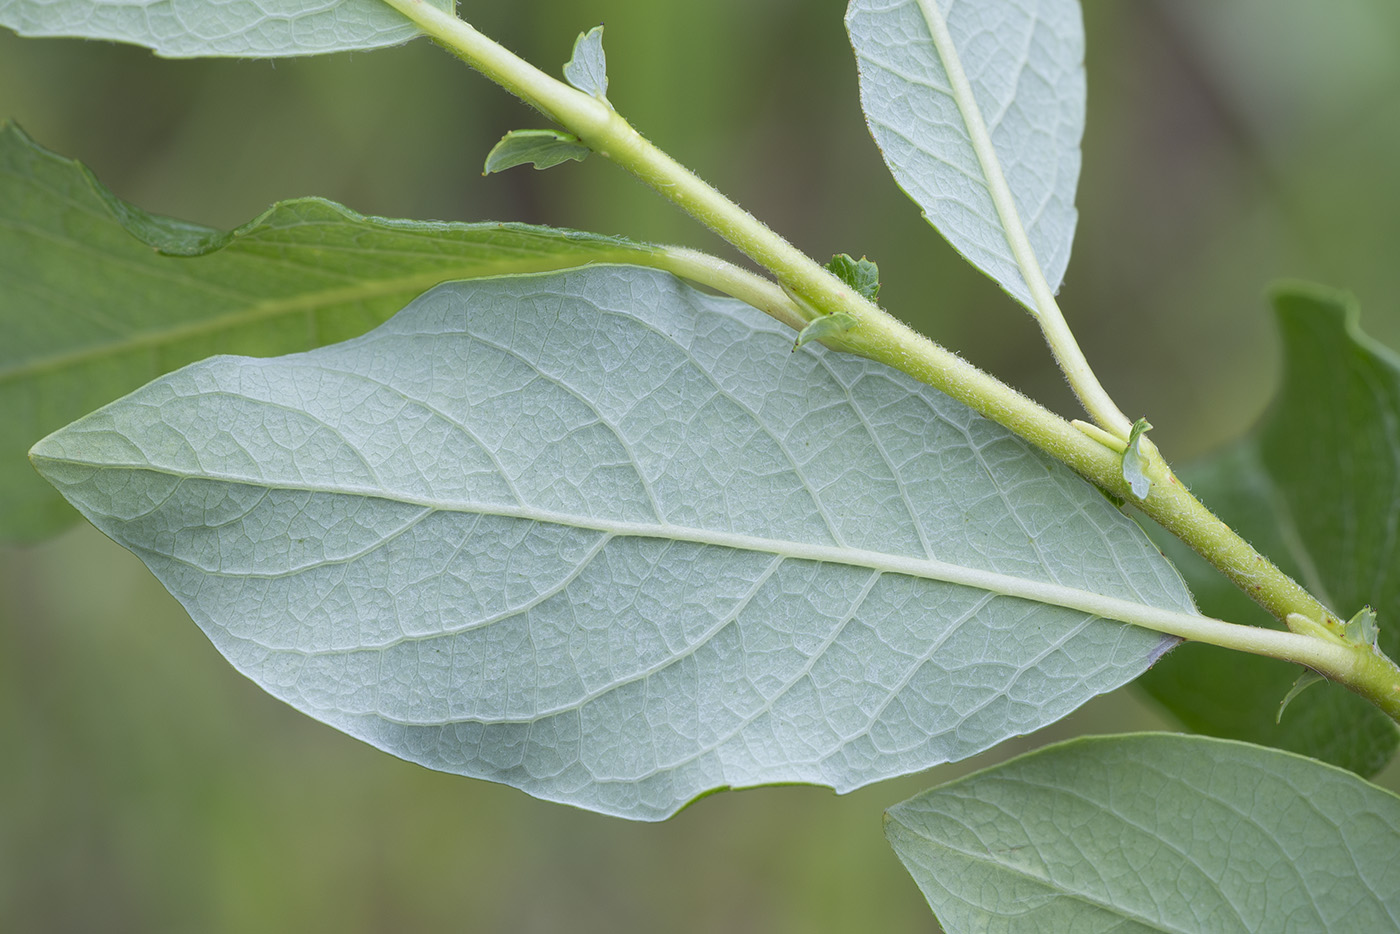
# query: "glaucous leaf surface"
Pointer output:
{"type": "Point", "coordinates": [606, 538]}
{"type": "Point", "coordinates": [1317, 488]}
{"type": "Point", "coordinates": [1024, 63]}
{"type": "Point", "coordinates": [587, 68]}
{"type": "Point", "coordinates": [1155, 833]}
{"type": "Point", "coordinates": [195, 28]}
{"type": "Point", "coordinates": [98, 297]}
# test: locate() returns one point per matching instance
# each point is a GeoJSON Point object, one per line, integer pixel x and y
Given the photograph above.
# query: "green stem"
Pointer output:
{"type": "Point", "coordinates": [881, 337]}
{"type": "Point", "coordinates": [1086, 386]}
{"type": "Point", "coordinates": [725, 277]}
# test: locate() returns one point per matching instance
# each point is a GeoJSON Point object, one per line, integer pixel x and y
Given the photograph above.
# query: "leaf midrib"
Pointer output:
{"type": "Point", "coordinates": [1058, 890]}
{"type": "Point", "coordinates": [270, 309]}
{"type": "Point", "coordinates": [1072, 598]}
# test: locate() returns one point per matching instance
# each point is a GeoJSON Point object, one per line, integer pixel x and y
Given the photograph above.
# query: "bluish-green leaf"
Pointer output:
{"type": "Point", "coordinates": [603, 537]}
{"type": "Point", "coordinates": [243, 28]}
{"type": "Point", "coordinates": [587, 68]}
{"type": "Point", "coordinates": [1316, 487]}
{"type": "Point", "coordinates": [91, 306]}
{"type": "Point", "coordinates": [1024, 64]}
{"type": "Point", "coordinates": [1155, 833]}
{"type": "Point", "coordinates": [826, 326]}
{"type": "Point", "coordinates": [544, 149]}
{"type": "Point", "coordinates": [1135, 462]}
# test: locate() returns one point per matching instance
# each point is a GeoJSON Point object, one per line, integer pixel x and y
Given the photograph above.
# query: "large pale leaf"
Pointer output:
{"type": "Point", "coordinates": [1316, 487]}
{"type": "Point", "coordinates": [1024, 63]}
{"type": "Point", "coordinates": [1155, 833]}
{"type": "Point", "coordinates": [89, 312]}
{"type": "Point", "coordinates": [606, 538]}
{"type": "Point", "coordinates": [244, 28]}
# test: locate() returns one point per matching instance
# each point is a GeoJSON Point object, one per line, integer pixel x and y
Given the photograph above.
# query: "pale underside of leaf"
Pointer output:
{"type": "Point", "coordinates": [1155, 833]}
{"type": "Point", "coordinates": [587, 68]}
{"type": "Point", "coordinates": [603, 537]}
{"type": "Point", "coordinates": [544, 149]}
{"type": "Point", "coordinates": [243, 28]}
{"type": "Point", "coordinates": [1024, 64]}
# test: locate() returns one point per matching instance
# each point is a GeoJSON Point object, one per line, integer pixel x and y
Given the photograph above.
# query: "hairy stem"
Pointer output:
{"type": "Point", "coordinates": [1058, 335]}
{"type": "Point", "coordinates": [881, 337]}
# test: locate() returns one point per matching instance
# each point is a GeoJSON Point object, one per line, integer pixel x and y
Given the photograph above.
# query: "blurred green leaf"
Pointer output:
{"type": "Point", "coordinates": [1155, 832]}
{"type": "Point", "coordinates": [600, 536]}
{"type": "Point", "coordinates": [242, 28]}
{"type": "Point", "coordinates": [544, 149]}
{"type": "Point", "coordinates": [1316, 487]}
{"type": "Point", "coordinates": [90, 312]}
{"type": "Point", "coordinates": [1024, 65]}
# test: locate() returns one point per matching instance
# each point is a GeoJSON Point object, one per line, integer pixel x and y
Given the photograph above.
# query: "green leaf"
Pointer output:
{"type": "Point", "coordinates": [1155, 832]}
{"type": "Point", "coordinates": [1363, 628]}
{"type": "Point", "coordinates": [600, 536]}
{"type": "Point", "coordinates": [587, 68]}
{"type": "Point", "coordinates": [90, 312]}
{"type": "Point", "coordinates": [1331, 447]}
{"type": "Point", "coordinates": [861, 275]}
{"type": "Point", "coordinates": [543, 149]}
{"type": "Point", "coordinates": [243, 28]}
{"type": "Point", "coordinates": [1024, 69]}
{"type": "Point", "coordinates": [1135, 461]}
{"type": "Point", "coordinates": [1314, 488]}
{"type": "Point", "coordinates": [1307, 679]}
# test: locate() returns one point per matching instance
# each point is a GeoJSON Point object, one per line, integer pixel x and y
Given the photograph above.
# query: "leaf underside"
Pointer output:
{"type": "Point", "coordinates": [587, 68]}
{"type": "Point", "coordinates": [1155, 833]}
{"type": "Point", "coordinates": [1317, 488]}
{"type": "Point", "coordinates": [90, 311]}
{"type": "Point", "coordinates": [544, 149]}
{"type": "Point", "coordinates": [242, 28]}
{"type": "Point", "coordinates": [603, 537]}
{"type": "Point", "coordinates": [1024, 60]}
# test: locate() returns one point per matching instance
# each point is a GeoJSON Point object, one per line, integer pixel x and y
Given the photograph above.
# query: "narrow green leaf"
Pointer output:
{"type": "Point", "coordinates": [1024, 68]}
{"type": "Point", "coordinates": [1135, 461]}
{"type": "Point", "coordinates": [587, 68]}
{"type": "Point", "coordinates": [543, 149]}
{"type": "Point", "coordinates": [1155, 832]}
{"type": "Point", "coordinates": [1314, 487]}
{"type": "Point", "coordinates": [600, 536]}
{"type": "Point", "coordinates": [90, 312]}
{"type": "Point", "coordinates": [860, 274]}
{"type": "Point", "coordinates": [1306, 680]}
{"type": "Point", "coordinates": [243, 28]}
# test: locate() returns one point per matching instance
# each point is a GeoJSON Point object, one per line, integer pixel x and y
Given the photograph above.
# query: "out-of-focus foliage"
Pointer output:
{"type": "Point", "coordinates": [1314, 486]}
{"type": "Point", "coordinates": [1217, 158]}
{"type": "Point", "coordinates": [101, 296]}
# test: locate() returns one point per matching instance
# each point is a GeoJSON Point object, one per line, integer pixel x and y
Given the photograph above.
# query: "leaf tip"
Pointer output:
{"type": "Point", "coordinates": [1305, 680]}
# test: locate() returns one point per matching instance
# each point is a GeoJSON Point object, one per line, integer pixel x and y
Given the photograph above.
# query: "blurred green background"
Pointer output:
{"type": "Point", "coordinates": [145, 786]}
